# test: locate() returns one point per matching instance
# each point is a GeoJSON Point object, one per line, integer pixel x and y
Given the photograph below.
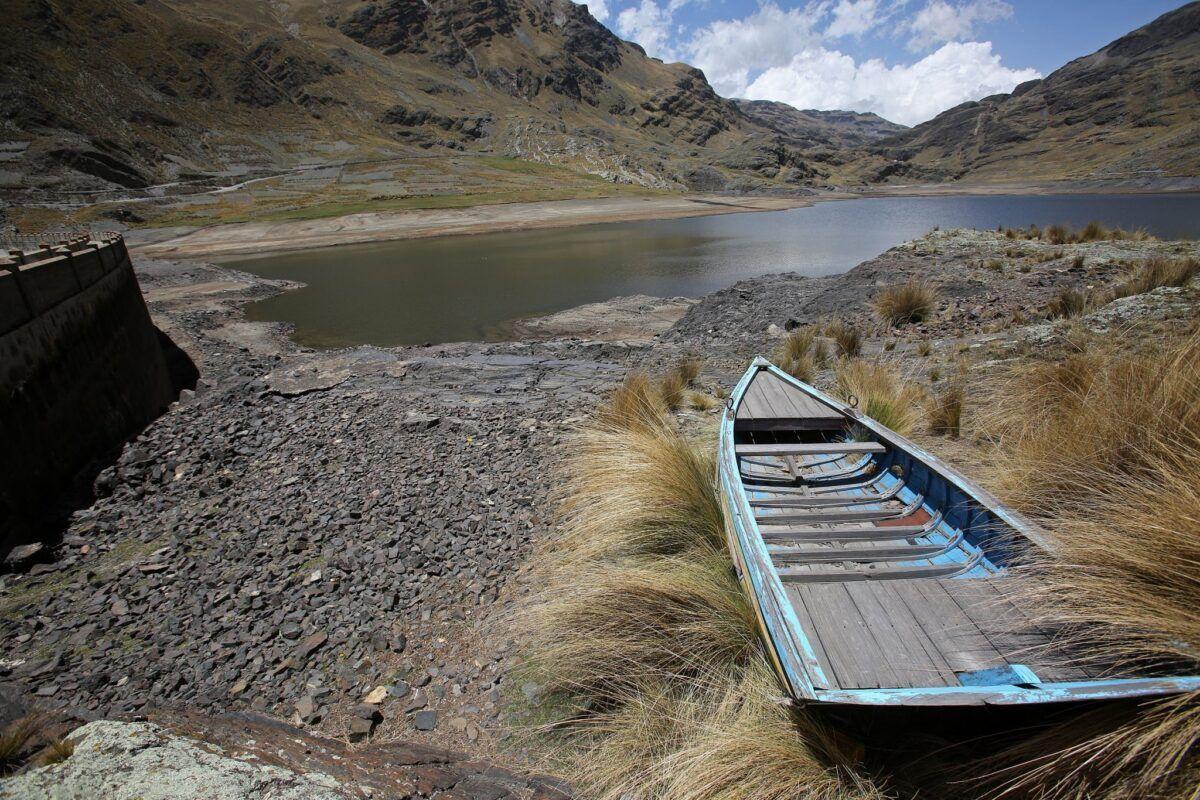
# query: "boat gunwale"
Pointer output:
{"type": "Point", "coordinates": [800, 670]}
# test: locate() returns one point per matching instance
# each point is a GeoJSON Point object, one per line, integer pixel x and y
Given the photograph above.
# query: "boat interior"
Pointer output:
{"type": "Point", "coordinates": [894, 574]}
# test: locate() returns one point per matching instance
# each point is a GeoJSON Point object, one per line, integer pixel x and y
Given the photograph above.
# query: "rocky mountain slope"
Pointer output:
{"type": "Point", "coordinates": [128, 94]}
{"type": "Point", "coordinates": [109, 98]}
{"type": "Point", "coordinates": [1129, 112]}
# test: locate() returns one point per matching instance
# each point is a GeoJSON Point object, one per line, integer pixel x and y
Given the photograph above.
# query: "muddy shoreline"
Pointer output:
{"type": "Point", "coordinates": [262, 238]}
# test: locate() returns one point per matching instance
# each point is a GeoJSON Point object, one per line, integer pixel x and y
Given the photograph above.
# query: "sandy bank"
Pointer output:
{"type": "Point", "coordinates": [262, 237]}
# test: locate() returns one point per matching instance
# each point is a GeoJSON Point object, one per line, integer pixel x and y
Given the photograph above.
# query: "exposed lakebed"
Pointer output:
{"type": "Point", "coordinates": [472, 287]}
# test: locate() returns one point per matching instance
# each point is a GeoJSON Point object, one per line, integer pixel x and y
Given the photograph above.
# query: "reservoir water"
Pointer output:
{"type": "Point", "coordinates": [458, 288]}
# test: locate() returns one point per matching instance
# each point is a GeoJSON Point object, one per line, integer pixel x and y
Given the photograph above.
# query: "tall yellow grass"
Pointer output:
{"type": "Point", "coordinates": [1104, 449]}
{"type": "Point", "coordinates": [907, 302]}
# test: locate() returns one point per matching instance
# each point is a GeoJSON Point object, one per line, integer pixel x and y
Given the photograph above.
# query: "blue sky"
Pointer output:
{"type": "Point", "coordinates": [907, 60]}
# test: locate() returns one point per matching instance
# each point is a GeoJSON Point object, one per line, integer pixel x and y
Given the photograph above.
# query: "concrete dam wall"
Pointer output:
{"type": "Point", "coordinates": [81, 370]}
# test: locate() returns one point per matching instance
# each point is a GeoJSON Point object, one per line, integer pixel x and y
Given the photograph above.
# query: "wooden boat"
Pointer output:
{"type": "Point", "coordinates": [878, 573]}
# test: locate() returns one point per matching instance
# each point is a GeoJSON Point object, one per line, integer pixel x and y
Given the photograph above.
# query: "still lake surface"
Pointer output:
{"type": "Point", "coordinates": [458, 288]}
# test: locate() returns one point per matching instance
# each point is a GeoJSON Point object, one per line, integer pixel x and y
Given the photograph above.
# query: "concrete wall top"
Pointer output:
{"type": "Point", "coordinates": [36, 280]}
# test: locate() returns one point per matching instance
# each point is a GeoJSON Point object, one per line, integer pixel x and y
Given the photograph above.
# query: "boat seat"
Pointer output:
{"type": "Point", "coordinates": [807, 501]}
{"type": "Point", "coordinates": [870, 532]}
{"type": "Point", "coordinates": [886, 552]}
{"type": "Point", "coordinates": [878, 573]}
{"type": "Point", "coordinates": [838, 515]}
{"type": "Point", "coordinates": [818, 448]}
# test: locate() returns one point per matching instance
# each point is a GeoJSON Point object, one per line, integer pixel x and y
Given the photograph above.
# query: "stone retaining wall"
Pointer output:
{"type": "Point", "coordinates": [81, 370]}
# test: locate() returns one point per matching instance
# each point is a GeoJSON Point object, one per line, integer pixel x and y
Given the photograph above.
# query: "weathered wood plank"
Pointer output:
{"type": "Point", "coordinates": [817, 448]}
{"type": "Point", "coordinates": [907, 659]}
{"type": "Point", "coordinates": [858, 660]}
{"type": "Point", "coordinates": [872, 532]}
{"type": "Point", "coordinates": [958, 639]}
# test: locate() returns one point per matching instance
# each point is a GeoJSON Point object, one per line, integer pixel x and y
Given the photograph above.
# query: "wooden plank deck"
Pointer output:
{"type": "Point", "coordinates": [920, 632]}
{"type": "Point", "coordinates": [769, 403]}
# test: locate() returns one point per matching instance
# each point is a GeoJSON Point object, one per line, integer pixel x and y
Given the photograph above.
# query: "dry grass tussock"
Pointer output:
{"type": "Point", "coordinates": [847, 339]}
{"type": "Point", "coordinates": [1092, 232]}
{"type": "Point", "coordinates": [795, 354]}
{"type": "Point", "coordinates": [1104, 449]}
{"type": "Point", "coordinates": [1158, 272]}
{"type": "Point", "coordinates": [912, 301]}
{"type": "Point", "coordinates": [944, 410]}
{"type": "Point", "coordinates": [883, 393]}
{"type": "Point", "coordinates": [653, 678]}
{"type": "Point", "coordinates": [22, 738]}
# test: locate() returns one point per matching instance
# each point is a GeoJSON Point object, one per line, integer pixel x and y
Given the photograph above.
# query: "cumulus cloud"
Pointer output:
{"type": "Point", "coordinates": [940, 21]}
{"type": "Point", "coordinates": [908, 94]}
{"type": "Point", "coordinates": [729, 51]}
{"type": "Point", "coordinates": [853, 18]}
{"type": "Point", "coordinates": [598, 9]}
{"type": "Point", "coordinates": [648, 24]}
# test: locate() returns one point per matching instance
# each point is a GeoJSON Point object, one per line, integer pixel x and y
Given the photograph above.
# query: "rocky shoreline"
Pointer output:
{"type": "Point", "coordinates": [327, 538]}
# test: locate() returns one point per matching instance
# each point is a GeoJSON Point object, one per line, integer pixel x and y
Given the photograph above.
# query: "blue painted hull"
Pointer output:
{"type": "Point", "coordinates": [968, 535]}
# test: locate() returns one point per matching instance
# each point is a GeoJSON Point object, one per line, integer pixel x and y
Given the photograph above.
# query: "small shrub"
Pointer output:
{"type": "Point", "coordinates": [944, 410]}
{"type": "Point", "coordinates": [995, 265]}
{"type": "Point", "coordinates": [912, 301]}
{"type": "Point", "coordinates": [1023, 268]}
{"type": "Point", "coordinates": [935, 375]}
{"type": "Point", "coordinates": [1068, 303]}
{"type": "Point", "coordinates": [882, 393]}
{"type": "Point", "coordinates": [846, 338]}
{"type": "Point", "coordinates": [924, 348]}
{"type": "Point", "coordinates": [700, 401]}
{"type": "Point", "coordinates": [1018, 317]}
{"type": "Point", "coordinates": [889, 345]}
{"type": "Point", "coordinates": [1077, 261]}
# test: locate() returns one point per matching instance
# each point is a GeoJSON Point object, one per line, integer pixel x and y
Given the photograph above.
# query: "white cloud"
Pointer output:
{"type": "Point", "coordinates": [940, 21]}
{"type": "Point", "coordinates": [648, 24]}
{"type": "Point", "coordinates": [909, 94]}
{"type": "Point", "coordinates": [598, 9]}
{"type": "Point", "coordinates": [729, 51]}
{"type": "Point", "coordinates": [853, 18]}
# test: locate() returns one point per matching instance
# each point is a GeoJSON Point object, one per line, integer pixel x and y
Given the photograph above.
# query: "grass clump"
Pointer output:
{"type": "Point", "coordinates": [699, 401]}
{"type": "Point", "coordinates": [1158, 272]}
{"type": "Point", "coordinates": [19, 740]}
{"type": "Point", "coordinates": [882, 393]}
{"type": "Point", "coordinates": [795, 355]}
{"type": "Point", "coordinates": [847, 339]}
{"type": "Point", "coordinates": [944, 410]}
{"type": "Point", "coordinates": [1069, 303]}
{"type": "Point", "coordinates": [56, 752]}
{"type": "Point", "coordinates": [924, 348]}
{"type": "Point", "coordinates": [912, 301]}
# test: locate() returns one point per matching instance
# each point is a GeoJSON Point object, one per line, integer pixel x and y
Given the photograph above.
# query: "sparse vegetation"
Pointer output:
{"type": "Point", "coordinates": [699, 401]}
{"type": "Point", "coordinates": [57, 751]}
{"type": "Point", "coordinates": [912, 301]}
{"type": "Point", "coordinates": [1077, 261]}
{"type": "Point", "coordinates": [846, 338]}
{"type": "Point", "coordinates": [995, 265]}
{"type": "Point", "coordinates": [882, 393]}
{"type": "Point", "coordinates": [924, 348]}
